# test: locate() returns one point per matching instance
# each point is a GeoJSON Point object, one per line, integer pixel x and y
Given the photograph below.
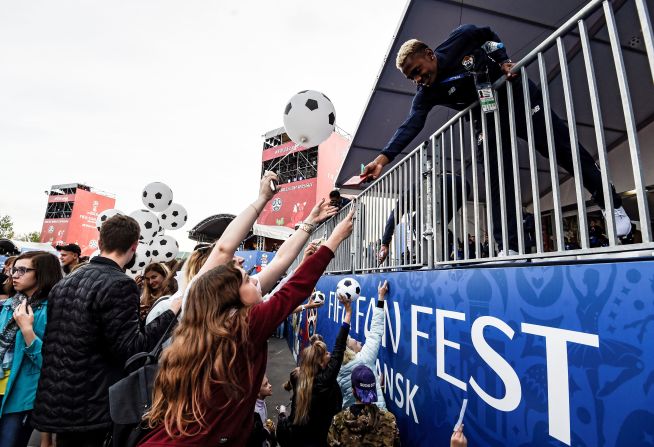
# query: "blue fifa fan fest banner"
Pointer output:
{"type": "Point", "coordinates": [255, 260]}
{"type": "Point", "coordinates": [545, 355]}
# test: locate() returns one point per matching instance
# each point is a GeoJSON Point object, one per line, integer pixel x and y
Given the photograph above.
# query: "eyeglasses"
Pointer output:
{"type": "Point", "coordinates": [20, 271]}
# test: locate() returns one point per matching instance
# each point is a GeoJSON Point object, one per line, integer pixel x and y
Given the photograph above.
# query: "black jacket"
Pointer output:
{"type": "Point", "coordinates": [93, 328]}
{"type": "Point", "coordinates": [326, 399]}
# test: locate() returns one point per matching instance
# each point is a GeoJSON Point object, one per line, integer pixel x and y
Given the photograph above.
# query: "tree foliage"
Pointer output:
{"type": "Point", "coordinates": [6, 227]}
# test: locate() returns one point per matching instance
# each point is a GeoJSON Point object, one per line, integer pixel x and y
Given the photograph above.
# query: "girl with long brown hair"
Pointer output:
{"type": "Point", "coordinates": [316, 394]}
{"type": "Point", "coordinates": [210, 375]}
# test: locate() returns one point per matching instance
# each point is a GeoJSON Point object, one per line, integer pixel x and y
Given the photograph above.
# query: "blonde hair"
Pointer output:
{"type": "Point", "coordinates": [409, 48]}
{"type": "Point", "coordinates": [195, 262]}
{"type": "Point", "coordinates": [310, 365]}
{"type": "Point", "coordinates": [348, 356]}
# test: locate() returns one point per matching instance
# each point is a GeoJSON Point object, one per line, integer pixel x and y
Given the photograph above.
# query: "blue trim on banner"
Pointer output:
{"type": "Point", "coordinates": [497, 336]}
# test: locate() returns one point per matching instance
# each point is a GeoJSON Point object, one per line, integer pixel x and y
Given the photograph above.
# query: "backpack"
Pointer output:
{"type": "Point", "coordinates": [131, 397]}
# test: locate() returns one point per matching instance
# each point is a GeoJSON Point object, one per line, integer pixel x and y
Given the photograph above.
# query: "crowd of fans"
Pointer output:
{"type": "Point", "coordinates": [68, 328]}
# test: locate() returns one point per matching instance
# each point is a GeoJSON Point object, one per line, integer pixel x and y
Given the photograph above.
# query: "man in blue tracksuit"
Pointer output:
{"type": "Point", "coordinates": [450, 75]}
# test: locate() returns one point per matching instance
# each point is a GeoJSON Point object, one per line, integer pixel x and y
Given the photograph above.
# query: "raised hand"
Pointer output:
{"type": "Point", "coordinates": [382, 290]}
{"type": "Point", "coordinates": [265, 191]}
{"type": "Point", "coordinates": [458, 439]}
{"type": "Point", "coordinates": [321, 212]}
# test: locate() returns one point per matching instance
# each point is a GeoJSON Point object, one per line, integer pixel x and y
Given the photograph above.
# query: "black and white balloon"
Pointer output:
{"type": "Point", "coordinates": [157, 196]}
{"type": "Point", "coordinates": [149, 223]}
{"type": "Point", "coordinates": [143, 257]}
{"type": "Point", "coordinates": [309, 118]}
{"type": "Point", "coordinates": [164, 248]}
{"type": "Point", "coordinates": [106, 214]}
{"type": "Point", "coordinates": [174, 217]}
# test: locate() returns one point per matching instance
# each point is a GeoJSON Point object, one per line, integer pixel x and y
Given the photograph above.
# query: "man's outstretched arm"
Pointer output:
{"type": "Point", "coordinates": [402, 137]}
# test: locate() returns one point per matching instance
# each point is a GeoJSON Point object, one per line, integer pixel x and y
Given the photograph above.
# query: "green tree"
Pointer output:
{"type": "Point", "coordinates": [6, 227]}
{"type": "Point", "coordinates": [32, 236]}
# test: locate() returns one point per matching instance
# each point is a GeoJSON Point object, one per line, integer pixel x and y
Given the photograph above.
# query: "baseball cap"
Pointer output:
{"type": "Point", "coordinates": [70, 247]}
{"type": "Point", "coordinates": [365, 384]}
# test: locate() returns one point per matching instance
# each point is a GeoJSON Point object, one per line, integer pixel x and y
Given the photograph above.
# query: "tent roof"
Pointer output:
{"type": "Point", "coordinates": [521, 26]}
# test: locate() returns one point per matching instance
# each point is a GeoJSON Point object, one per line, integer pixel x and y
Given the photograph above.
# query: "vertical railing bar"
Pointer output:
{"type": "Point", "coordinates": [444, 216]}
{"type": "Point", "coordinates": [574, 144]}
{"type": "Point", "coordinates": [411, 208]}
{"type": "Point", "coordinates": [489, 216]}
{"type": "Point", "coordinates": [455, 239]}
{"type": "Point", "coordinates": [554, 169]}
{"type": "Point", "coordinates": [403, 177]}
{"type": "Point", "coordinates": [475, 184]}
{"type": "Point", "coordinates": [437, 196]}
{"type": "Point", "coordinates": [535, 191]}
{"type": "Point", "coordinates": [599, 133]}
{"type": "Point", "coordinates": [646, 27]}
{"type": "Point", "coordinates": [516, 168]}
{"type": "Point", "coordinates": [464, 198]}
{"type": "Point", "coordinates": [500, 175]}
{"type": "Point", "coordinates": [630, 124]}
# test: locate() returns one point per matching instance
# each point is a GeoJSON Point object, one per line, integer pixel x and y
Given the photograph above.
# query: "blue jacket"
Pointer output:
{"type": "Point", "coordinates": [454, 86]}
{"type": "Point", "coordinates": [26, 365]}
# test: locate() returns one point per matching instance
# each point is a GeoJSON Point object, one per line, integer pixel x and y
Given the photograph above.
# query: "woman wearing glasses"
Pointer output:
{"type": "Point", "coordinates": [22, 325]}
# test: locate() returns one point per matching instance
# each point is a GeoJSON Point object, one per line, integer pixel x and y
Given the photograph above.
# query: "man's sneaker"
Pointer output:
{"type": "Point", "coordinates": [503, 253]}
{"type": "Point", "coordinates": [622, 222]}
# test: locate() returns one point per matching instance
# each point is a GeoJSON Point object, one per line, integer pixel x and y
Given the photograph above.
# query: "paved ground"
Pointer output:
{"type": "Point", "coordinates": [280, 364]}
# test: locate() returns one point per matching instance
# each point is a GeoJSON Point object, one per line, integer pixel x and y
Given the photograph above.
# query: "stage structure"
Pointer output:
{"type": "Point", "coordinates": [306, 174]}
{"type": "Point", "coordinates": [71, 214]}
{"type": "Point", "coordinates": [550, 345]}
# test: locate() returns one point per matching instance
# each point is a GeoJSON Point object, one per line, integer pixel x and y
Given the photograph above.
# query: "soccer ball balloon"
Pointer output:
{"type": "Point", "coordinates": [309, 118]}
{"type": "Point", "coordinates": [149, 224]}
{"type": "Point", "coordinates": [143, 257]}
{"type": "Point", "coordinates": [348, 289]}
{"type": "Point", "coordinates": [164, 248]}
{"type": "Point", "coordinates": [157, 196]}
{"type": "Point", "coordinates": [318, 297]}
{"type": "Point", "coordinates": [173, 217]}
{"type": "Point", "coordinates": [106, 214]}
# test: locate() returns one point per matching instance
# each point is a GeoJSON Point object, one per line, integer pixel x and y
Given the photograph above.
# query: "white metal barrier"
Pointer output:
{"type": "Point", "coordinates": [437, 207]}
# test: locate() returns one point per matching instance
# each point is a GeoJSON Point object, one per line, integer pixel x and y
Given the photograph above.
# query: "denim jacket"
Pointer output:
{"type": "Point", "coordinates": [26, 366]}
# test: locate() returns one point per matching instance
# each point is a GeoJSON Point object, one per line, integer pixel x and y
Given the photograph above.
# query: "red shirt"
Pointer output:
{"type": "Point", "coordinates": [231, 426]}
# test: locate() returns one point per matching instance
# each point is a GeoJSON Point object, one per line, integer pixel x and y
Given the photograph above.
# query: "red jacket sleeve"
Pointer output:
{"type": "Point", "coordinates": [266, 316]}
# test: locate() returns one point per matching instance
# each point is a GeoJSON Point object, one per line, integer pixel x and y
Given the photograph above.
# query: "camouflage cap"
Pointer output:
{"type": "Point", "coordinates": [364, 384]}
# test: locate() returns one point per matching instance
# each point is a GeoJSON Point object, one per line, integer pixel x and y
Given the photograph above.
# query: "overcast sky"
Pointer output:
{"type": "Point", "coordinates": [117, 94]}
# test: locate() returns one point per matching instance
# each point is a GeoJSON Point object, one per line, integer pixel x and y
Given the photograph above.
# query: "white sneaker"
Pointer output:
{"type": "Point", "coordinates": [504, 253]}
{"type": "Point", "coordinates": [622, 222]}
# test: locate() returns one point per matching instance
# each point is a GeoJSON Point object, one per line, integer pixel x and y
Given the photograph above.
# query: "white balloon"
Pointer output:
{"type": "Point", "coordinates": [149, 223]}
{"type": "Point", "coordinates": [94, 254]}
{"type": "Point", "coordinates": [106, 214]}
{"type": "Point", "coordinates": [309, 118]}
{"type": "Point", "coordinates": [174, 217]}
{"type": "Point", "coordinates": [164, 249]}
{"type": "Point", "coordinates": [157, 196]}
{"type": "Point", "coordinates": [143, 256]}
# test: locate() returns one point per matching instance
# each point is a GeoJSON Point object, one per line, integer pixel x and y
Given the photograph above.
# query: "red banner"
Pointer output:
{"type": "Point", "coordinates": [291, 205]}
{"type": "Point", "coordinates": [80, 227]}
{"type": "Point", "coordinates": [281, 150]}
{"type": "Point", "coordinates": [54, 231]}
{"type": "Point", "coordinates": [331, 154]}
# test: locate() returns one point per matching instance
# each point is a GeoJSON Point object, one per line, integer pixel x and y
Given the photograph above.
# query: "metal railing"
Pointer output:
{"type": "Point", "coordinates": [460, 198]}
